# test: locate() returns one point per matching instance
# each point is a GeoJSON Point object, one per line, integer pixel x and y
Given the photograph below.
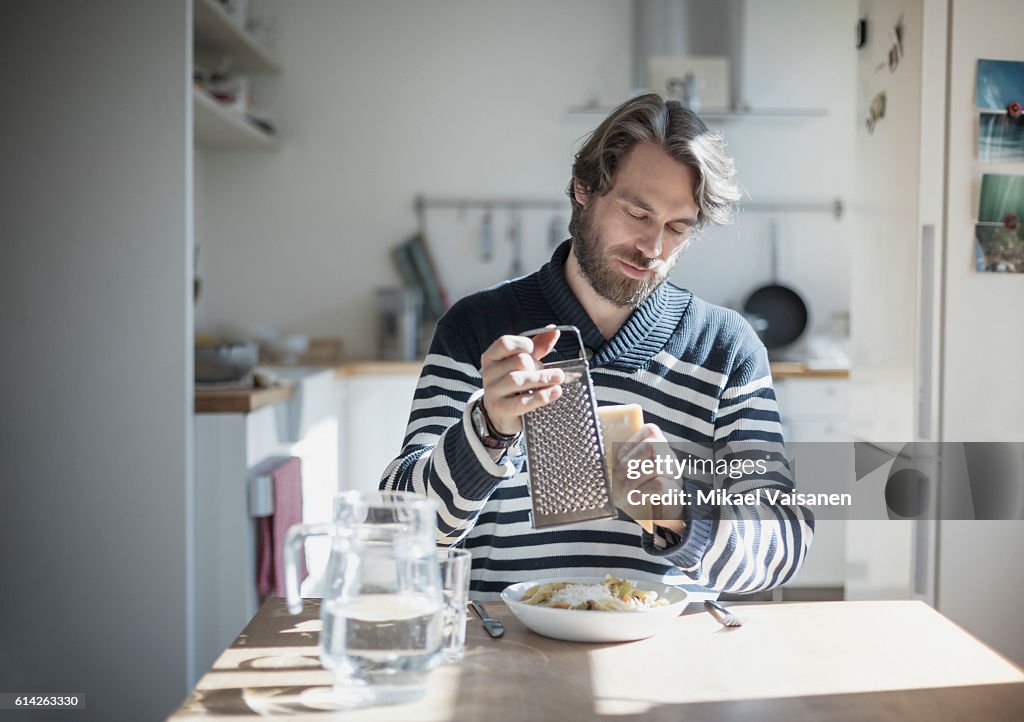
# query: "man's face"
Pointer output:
{"type": "Point", "coordinates": [631, 237]}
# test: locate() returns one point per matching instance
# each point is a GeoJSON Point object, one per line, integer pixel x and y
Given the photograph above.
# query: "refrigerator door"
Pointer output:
{"type": "Point", "coordinates": [980, 577]}
{"type": "Point", "coordinates": [895, 315]}
{"type": "Point", "coordinates": [885, 211]}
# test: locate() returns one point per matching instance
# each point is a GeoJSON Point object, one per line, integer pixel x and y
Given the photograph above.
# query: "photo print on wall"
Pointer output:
{"type": "Point", "coordinates": [998, 234]}
{"type": "Point", "coordinates": [999, 97]}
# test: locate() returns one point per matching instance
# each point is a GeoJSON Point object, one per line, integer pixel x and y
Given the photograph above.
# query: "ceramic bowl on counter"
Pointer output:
{"type": "Point", "coordinates": [225, 362]}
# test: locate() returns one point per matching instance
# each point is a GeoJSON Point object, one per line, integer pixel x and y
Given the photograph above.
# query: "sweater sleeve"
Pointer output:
{"type": "Point", "coordinates": [743, 548]}
{"type": "Point", "coordinates": [441, 456]}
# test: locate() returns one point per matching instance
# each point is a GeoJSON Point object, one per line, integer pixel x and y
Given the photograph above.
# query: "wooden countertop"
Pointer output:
{"type": "Point", "coordinates": [234, 401]}
{"type": "Point", "coordinates": [244, 400]}
{"type": "Point", "coordinates": [238, 401]}
{"type": "Point", "coordinates": [780, 369]}
{"type": "Point", "coordinates": [799, 370]}
{"type": "Point", "coordinates": [816, 661]}
{"type": "Point", "coordinates": [355, 368]}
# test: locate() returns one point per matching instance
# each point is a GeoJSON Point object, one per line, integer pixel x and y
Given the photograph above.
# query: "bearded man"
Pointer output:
{"type": "Point", "coordinates": [644, 183]}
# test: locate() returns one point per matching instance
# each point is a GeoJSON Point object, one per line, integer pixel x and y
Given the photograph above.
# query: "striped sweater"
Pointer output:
{"type": "Point", "coordinates": [698, 371]}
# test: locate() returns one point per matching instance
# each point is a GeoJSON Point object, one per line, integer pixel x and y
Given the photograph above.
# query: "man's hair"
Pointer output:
{"type": "Point", "coordinates": [676, 130]}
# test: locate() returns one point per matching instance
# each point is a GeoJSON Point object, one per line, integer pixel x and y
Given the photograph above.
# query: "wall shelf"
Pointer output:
{"type": "Point", "coordinates": [216, 31]}
{"type": "Point", "coordinates": [218, 127]}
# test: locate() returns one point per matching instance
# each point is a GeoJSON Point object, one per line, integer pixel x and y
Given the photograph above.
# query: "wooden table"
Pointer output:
{"type": "Point", "coordinates": [789, 661]}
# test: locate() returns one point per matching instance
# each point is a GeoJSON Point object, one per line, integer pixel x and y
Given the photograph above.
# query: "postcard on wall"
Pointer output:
{"type": "Point", "coordinates": [999, 98]}
{"type": "Point", "coordinates": [999, 234]}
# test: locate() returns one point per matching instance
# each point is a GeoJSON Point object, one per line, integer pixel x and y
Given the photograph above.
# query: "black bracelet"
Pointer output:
{"type": "Point", "coordinates": [490, 427]}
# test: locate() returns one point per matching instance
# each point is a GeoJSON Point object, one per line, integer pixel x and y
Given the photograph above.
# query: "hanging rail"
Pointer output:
{"type": "Point", "coordinates": [421, 203]}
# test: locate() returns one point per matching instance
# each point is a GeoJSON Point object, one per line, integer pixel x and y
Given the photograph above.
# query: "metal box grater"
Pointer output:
{"type": "Point", "coordinates": [568, 478]}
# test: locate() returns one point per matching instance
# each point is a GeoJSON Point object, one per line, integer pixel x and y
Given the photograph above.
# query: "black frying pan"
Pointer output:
{"type": "Point", "coordinates": [782, 309]}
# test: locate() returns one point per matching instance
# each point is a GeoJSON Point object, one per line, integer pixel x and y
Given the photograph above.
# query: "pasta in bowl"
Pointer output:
{"type": "Point", "coordinates": [594, 609]}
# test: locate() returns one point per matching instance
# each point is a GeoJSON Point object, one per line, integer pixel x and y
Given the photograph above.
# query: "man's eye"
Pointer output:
{"type": "Point", "coordinates": [635, 217]}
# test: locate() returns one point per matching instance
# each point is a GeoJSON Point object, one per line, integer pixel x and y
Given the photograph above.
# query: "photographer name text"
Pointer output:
{"type": "Point", "coordinates": [722, 497]}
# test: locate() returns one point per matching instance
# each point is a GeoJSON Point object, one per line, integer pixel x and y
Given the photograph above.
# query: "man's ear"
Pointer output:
{"type": "Point", "coordinates": [580, 192]}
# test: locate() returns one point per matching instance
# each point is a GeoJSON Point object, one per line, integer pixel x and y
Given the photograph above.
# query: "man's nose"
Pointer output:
{"type": "Point", "coordinates": [651, 243]}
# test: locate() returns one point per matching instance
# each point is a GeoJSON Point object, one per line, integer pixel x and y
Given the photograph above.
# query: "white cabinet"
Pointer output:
{"type": "Point", "coordinates": [375, 410]}
{"type": "Point", "coordinates": [814, 409]}
{"type": "Point", "coordinates": [817, 410]}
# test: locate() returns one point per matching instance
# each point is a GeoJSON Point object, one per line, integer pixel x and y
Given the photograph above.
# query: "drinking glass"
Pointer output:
{"type": "Point", "coordinates": [455, 568]}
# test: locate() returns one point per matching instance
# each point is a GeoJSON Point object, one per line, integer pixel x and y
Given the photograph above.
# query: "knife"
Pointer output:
{"type": "Point", "coordinates": [493, 626]}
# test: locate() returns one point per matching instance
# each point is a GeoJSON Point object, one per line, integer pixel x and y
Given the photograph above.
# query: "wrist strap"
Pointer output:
{"type": "Point", "coordinates": [491, 431]}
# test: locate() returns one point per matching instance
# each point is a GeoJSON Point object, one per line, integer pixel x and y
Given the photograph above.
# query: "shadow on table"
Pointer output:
{"type": "Point", "coordinates": [264, 671]}
{"type": "Point", "coordinates": [262, 701]}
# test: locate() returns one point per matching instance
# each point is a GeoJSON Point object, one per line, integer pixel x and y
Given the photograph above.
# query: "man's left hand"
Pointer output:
{"type": "Point", "coordinates": [648, 444]}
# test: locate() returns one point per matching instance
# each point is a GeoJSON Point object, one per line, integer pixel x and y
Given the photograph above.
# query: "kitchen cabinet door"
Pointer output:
{"type": "Point", "coordinates": [817, 410]}
{"type": "Point", "coordinates": [376, 409]}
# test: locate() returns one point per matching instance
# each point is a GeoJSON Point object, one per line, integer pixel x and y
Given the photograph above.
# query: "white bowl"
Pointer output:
{"type": "Point", "coordinates": [575, 625]}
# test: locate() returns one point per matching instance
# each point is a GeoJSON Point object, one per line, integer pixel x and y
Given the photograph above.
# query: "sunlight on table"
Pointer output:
{"type": "Point", "coordinates": [793, 650]}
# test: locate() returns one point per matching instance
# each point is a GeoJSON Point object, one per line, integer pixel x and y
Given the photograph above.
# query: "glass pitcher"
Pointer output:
{"type": "Point", "coordinates": [382, 600]}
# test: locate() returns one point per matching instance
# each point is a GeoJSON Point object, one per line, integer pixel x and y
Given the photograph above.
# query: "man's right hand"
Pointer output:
{"type": "Point", "coordinates": [514, 382]}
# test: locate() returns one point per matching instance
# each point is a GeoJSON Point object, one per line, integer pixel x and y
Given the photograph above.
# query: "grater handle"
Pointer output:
{"type": "Point", "coordinates": [572, 329]}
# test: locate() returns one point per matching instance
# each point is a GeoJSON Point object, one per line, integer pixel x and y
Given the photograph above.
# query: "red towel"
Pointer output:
{"type": "Point", "coordinates": [271, 530]}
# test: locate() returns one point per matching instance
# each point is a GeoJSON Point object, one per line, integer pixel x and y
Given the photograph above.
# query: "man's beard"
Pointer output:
{"type": "Point", "coordinates": [603, 274]}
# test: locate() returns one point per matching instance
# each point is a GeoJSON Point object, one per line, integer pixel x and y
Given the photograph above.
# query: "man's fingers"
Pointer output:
{"type": "Point", "coordinates": [495, 372]}
{"type": "Point", "coordinates": [515, 353]}
{"type": "Point", "coordinates": [544, 342]}
{"type": "Point", "coordinates": [518, 383]}
{"type": "Point", "coordinates": [536, 399]}
{"type": "Point", "coordinates": [517, 405]}
{"type": "Point", "coordinates": [647, 432]}
{"type": "Point", "coordinates": [513, 379]}
{"type": "Point", "coordinates": [658, 485]}
{"type": "Point", "coordinates": [630, 452]}
{"type": "Point", "coordinates": [529, 380]}
{"type": "Point", "coordinates": [505, 347]}
{"type": "Point", "coordinates": [639, 445]}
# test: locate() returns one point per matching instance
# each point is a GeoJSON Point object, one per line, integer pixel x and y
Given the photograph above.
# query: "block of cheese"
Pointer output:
{"type": "Point", "coordinates": [619, 424]}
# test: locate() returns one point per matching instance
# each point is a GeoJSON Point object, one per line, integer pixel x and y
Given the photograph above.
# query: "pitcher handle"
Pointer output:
{"type": "Point", "coordinates": [294, 545]}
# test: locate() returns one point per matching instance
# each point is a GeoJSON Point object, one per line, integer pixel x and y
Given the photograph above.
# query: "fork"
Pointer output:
{"type": "Point", "coordinates": [723, 615]}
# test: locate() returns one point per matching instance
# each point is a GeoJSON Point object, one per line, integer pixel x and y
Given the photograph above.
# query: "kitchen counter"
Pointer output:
{"type": "Point", "coordinates": [358, 368]}
{"type": "Point", "coordinates": [216, 401]}
{"type": "Point", "coordinates": [238, 401]}
{"type": "Point", "coordinates": [243, 400]}
{"type": "Point", "coordinates": [800, 370]}
{"type": "Point", "coordinates": [888, 660]}
{"type": "Point", "coordinates": [780, 369]}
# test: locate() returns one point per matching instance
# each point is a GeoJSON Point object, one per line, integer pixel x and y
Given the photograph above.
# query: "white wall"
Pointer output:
{"type": "Point", "coordinates": [379, 101]}
{"type": "Point", "coordinates": [798, 53]}
{"type": "Point", "coordinates": [96, 320]}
